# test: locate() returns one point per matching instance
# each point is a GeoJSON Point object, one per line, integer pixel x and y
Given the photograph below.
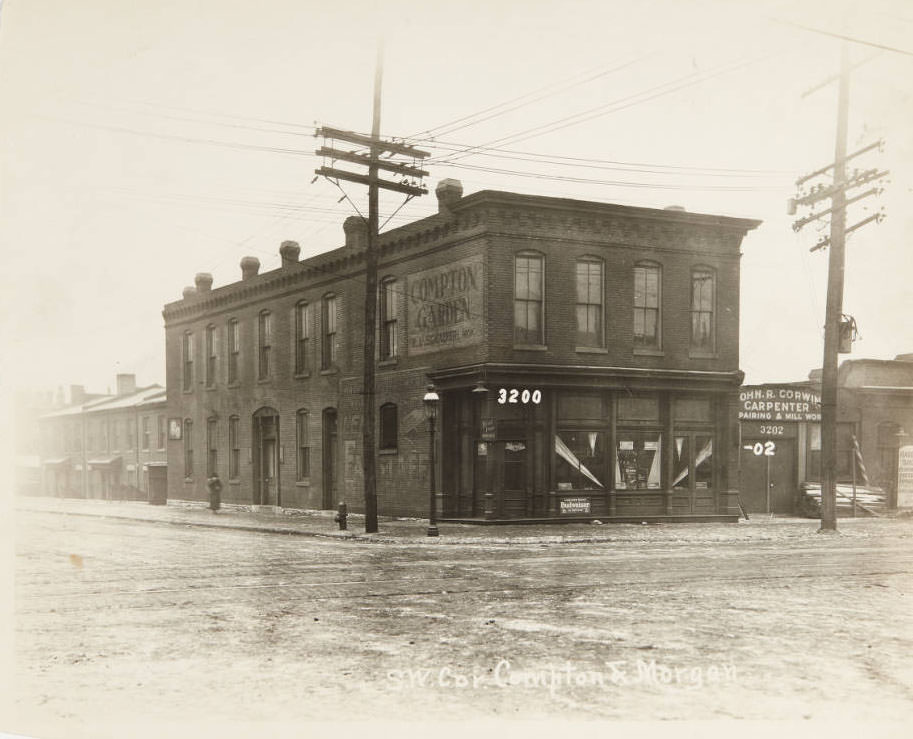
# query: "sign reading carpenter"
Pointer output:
{"type": "Point", "coordinates": [444, 307]}
{"type": "Point", "coordinates": [575, 505]}
{"type": "Point", "coordinates": [779, 403]}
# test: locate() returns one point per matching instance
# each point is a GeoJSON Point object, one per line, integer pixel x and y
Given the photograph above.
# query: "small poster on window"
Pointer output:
{"type": "Point", "coordinates": [174, 429]}
{"type": "Point", "coordinates": [626, 446]}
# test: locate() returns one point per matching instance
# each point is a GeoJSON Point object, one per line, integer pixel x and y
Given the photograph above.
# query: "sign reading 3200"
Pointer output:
{"type": "Point", "coordinates": [513, 395]}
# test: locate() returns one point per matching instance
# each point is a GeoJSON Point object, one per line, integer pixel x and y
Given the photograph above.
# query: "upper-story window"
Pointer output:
{"type": "Point", "coordinates": [210, 356]}
{"type": "Point", "coordinates": [328, 350]}
{"type": "Point", "coordinates": [187, 353]}
{"type": "Point", "coordinates": [302, 337]}
{"type": "Point", "coordinates": [234, 349]}
{"type": "Point", "coordinates": [590, 331]}
{"type": "Point", "coordinates": [147, 432]}
{"type": "Point", "coordinates": [161, 432]}
{"type": "Point", "coordinates": [388, 348]}
{"type": "Point", "coordinates": [702, 313]}
{"type": "Point", "coordinates": [529, 281]}
{"type": "Point", "coordinates": [647, 301]}
{"type": "Point", "coordinates": [266, 343]}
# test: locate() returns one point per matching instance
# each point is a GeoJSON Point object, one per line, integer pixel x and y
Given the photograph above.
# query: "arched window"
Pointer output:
{"type": "Point", "coordinates": [328, 348]}
{"type": "Point", "coordinates": [388, 348]}
{"type": "Point", "coordinates": [266, 343]}
{"type": "Point", "coordinates": [234, 349]}
{"type": "Point", "coordinates": [302, 337]}
{"type": "Point", "coordinates": [303, 443]}
{"type": "Point", "coordinates": [187, 353]}
{"type": "Point", "coordinates": [234, 448]}
{"type": "Point", "coordinates": [389, 430]}
{"type": "Point", "coordinates": [647, 305]}
{"type": "Point", "coordinates": [210, 356]}
{"type": "Point", "coordinates": [589, 307]}
{"type": "Point", "coordinates": [188, 448]}
{"type": "Point", "coordinates": [529, 298]}
{"type": "Point", "coordinates": [212, 447]}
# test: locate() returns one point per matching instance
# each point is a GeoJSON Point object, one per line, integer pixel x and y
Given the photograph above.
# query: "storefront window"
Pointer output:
{"type": "Point", "coordinates": [844, 452]}
{"type": "Point", "coordinates": [692, 461]}
{"type": "Point", "coordinates": [580, 460]}
{"type": "Point", "coordinates": [638, 461]}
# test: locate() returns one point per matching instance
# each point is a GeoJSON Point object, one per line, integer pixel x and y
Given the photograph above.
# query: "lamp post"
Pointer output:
{"type": "Point", "coordinates": [430, 402]}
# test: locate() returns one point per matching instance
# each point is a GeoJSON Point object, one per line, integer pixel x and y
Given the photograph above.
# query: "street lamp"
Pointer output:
{"type": "Point", "coordinates": [430, 402]}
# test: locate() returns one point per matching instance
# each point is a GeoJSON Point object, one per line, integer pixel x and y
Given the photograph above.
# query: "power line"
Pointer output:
{"type": "Point", "coordinates": [842, 36]}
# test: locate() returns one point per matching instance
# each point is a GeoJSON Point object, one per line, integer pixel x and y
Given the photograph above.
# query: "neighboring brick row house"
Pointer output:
{"type": "Point", "coordinates": [104, 447]}
{"type": "Point", "coordinates": [606, 337]}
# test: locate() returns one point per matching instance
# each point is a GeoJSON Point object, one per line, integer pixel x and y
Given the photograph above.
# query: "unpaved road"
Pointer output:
{"type": "Point", "coordinates": [119, 621]}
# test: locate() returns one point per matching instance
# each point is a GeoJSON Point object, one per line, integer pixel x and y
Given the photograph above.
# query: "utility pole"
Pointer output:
{"type": "Point", "coordinates": [408, 186]}
{"type": "Point", "coordinates": [837, 327]}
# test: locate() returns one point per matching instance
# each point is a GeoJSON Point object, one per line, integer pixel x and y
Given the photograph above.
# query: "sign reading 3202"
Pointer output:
{"type": "Point", "coordinates": [513, 395]}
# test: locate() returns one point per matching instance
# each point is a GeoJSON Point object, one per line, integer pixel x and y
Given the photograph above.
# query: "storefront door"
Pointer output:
{"type": "Point", "coordinates": [767, 462]}
{"type": "Point", "coordinates": [265, 455]}
{"type": "Point", "coordinates": [512, 461]}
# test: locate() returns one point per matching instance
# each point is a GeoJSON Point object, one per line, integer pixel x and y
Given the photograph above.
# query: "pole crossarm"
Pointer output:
{"type": "Point", "coordinates": [378, 144]}
{"type": "Point", "coordinates": [361, 179]}
{"type": "Point", "coordinates": [798, 225]}
{"type": "Point", "coordinates": [824, 192]}
{"type": "Point", "coordinates": [877, 145]}
{"type": "Point", "coordinates": [365, 160]}
{"type": "Point", "coordinates": [877, 217]}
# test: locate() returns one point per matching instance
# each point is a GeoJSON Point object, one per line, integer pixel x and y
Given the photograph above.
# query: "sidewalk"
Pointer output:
{"type": "Point", "coordinates": [414, 531]}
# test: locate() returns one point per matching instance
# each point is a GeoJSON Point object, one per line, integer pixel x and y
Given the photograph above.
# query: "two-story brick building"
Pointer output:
{"type": "Point", "coordinates": [104, 446]}
{"type": "Point", "coordinates": [586, 355]}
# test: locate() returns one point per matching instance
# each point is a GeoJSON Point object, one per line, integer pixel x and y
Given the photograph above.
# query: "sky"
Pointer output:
{"type": "Point", "coordinates": [143, 142]}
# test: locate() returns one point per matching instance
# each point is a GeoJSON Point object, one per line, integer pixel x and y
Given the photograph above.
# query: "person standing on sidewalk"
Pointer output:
{"type": "Point", "coordinates": [215, 492]}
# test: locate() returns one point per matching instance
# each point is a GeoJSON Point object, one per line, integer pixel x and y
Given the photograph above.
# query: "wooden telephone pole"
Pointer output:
{"type": "Point", "coordinates": [837, 327]}
{"type": "Point", "coordinates": [407, 186]}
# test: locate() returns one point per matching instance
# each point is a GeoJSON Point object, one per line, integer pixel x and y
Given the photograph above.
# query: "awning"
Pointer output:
{"type": "Point", "coordinates": [105, 463]}
{"type": "Point", "coordinates": [59, 462]}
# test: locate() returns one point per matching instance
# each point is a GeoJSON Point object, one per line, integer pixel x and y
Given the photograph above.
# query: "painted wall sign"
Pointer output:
{"type": "Point", "coordinates": [444, 306]}
{"type": "Point", "coordinates": [779, 403]}
{"type": "Point", "coordinates": [575, 505]}
{"type": "Point", "coordinates": [905, 477]}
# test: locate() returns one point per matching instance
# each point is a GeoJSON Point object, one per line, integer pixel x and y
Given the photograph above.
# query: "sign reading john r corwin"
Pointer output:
{"type": "Point", "coordinates": [779, 403]}
{"type": "Point", "coordinates": [445, 306]}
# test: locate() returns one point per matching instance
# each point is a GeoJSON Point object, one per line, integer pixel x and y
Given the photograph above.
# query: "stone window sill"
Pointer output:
{"type": "Point", "coordinates": [302, 375]}
{"type": "Point", "coordinates": [643, 352]}
{"type": "Point", "coordinates": [330, 371]}
{"type": "Point", "coordinates": [591, 350]}
{"type": "Point", "coordinates": [531, 347]}
{"type": "Point", "coordinates": [387, 452]}
{"type": "Point", "coordinates": [391, 362]}
{"type": "Point", "coordinates": [693, 354]}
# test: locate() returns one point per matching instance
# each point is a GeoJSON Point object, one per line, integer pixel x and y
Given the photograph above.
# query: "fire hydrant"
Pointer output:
{"type": "Point", "coordinates": [341, 516]}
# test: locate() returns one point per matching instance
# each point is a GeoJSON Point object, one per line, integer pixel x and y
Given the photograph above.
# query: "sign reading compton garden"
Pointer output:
{"type": "Point", "coordinates": [444, 306]}
{"type": "Point", "coordinates": [779, 403]}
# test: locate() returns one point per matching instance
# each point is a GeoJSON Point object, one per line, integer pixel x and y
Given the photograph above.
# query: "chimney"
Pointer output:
{"type": "Point", "coordinates": [189, 292]}
{"type": "Point", "coordinates": [356, 232]}
{"type": "Point", "coordinates": [126, 384]}
{"type": "Point", "coordinates": [203, 281]}
{"type": "Point", "coordinates": [449, 192]}
{"type": "Point", "coordinates": [289, 252]}
{"type": "Point", "coordinates": [250, 266]}
{"type": "Point", "coordinates": [77, 394]}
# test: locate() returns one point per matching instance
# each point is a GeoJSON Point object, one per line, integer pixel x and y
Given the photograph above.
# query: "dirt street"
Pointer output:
{"type": "Point", "coordinates": [123, 622]}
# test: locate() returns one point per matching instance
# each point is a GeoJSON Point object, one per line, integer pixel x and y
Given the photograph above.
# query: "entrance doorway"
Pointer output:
{"type": "Point", "coordinates": [266, 457]}
{"type": "Point", "coordinates": [330, 458]}
{"type": "Point", "coordinates": [774, 468]}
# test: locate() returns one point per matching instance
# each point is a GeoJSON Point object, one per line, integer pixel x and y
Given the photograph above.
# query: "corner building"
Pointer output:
{"type": "Point", "coordinates": [586, 356]}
